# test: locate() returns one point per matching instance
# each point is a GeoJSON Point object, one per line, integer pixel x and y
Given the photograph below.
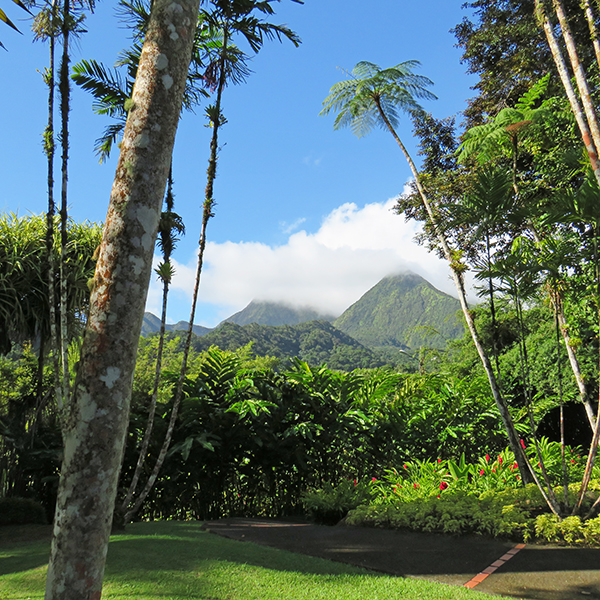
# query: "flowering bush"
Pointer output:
{"type": "Point", "coordinates": [513, 513]}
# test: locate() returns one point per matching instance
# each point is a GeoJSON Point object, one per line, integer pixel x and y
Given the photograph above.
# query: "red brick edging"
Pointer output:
{"type": "Point", "coordinates": [492, 568]}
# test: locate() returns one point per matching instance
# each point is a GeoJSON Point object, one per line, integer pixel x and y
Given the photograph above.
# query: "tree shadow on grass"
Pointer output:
{"type": "Point", "coordinates": [183, 546]}
{"type": "Point", "coordinates": [24, 547]}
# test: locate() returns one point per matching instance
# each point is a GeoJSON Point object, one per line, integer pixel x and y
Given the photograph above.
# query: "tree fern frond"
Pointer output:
{"type": "Point", "coordinates": [528, 100]}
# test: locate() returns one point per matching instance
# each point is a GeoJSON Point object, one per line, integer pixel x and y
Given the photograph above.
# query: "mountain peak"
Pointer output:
{"type": "Point", "coordinates": [275, 314]}
{"type": "Point", "coordinates": [404, 311]}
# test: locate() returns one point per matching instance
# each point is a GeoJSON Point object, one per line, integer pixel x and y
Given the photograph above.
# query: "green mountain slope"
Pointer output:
{"type": "Point", "coordinates": [403, 311]}
{"type": "Point", "coordinates": [274, 313]}
{"type": "Point", "coordinates": [315, 342]}
{"type": "Point", "coordinates": [151, 324]}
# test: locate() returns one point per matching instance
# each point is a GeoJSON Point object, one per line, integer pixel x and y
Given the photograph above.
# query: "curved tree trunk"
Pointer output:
{"type": "Point", "coordinates": [557, 300]}
{"type": "Point", "coordinates": [119, 518]}
{"type": "Point", "coordinates": [97, 416]}
{"type": "Point", "coordinates": [455, 266]}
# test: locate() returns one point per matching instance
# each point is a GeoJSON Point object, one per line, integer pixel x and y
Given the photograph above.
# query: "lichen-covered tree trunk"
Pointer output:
{"type": "Point", "coordinates": [97, 416]}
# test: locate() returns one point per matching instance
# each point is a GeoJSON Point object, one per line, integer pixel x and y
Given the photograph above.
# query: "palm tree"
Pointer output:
{"type": "Point", "coordinates": [229, 17]}
{"type": "Point", "coordinates": [374, 96]}
{"type": "Point", "coordinates": [169, 226]}
{"type": "Point", "coordinates": [5, 19]}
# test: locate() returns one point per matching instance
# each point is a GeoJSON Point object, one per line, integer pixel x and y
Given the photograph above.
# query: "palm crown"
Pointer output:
{"type": "Point", "coordinates": [371, 95]}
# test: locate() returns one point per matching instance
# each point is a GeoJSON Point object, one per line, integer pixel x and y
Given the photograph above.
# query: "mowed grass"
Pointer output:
{"type": "Point", "coordinates": [176, 561]}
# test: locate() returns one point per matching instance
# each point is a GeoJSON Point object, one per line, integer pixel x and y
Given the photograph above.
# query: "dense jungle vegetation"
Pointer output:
{"type": "Point", "coordinates": [512, 194]}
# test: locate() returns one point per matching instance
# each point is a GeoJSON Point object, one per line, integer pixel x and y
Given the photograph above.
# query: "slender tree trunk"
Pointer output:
{"type": "Point", "coordinates": [580, 77]}
{"type": "Point", "coordinates": [455, 267]}
{"type": "Point", "coordinates": [563, 444]}
{"type": "Point", "coordinates": [49, 149]}
{"type": "Point", "coordinates": [591, 459]}
{"type": "Point", "coordinates": [566, 81]}
{"type": "Point", "coordinates": [97, 417]}
{"type": "Point", "coordinates": [589, 15]}
{"type": "Point", "coordinates": [65, 90]}
{"type": "Point", "coordinates": [120, 513]}
{"type": "Point", "coordinates": [206, 215]}
{"type": "Point", "coordinates": [557, 300]}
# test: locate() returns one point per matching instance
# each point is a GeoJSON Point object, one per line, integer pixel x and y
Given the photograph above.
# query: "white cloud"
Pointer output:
{"type": "Point", "coordinates": [289, 228]}
{"type": "Point", "coordinates": [329, 270]}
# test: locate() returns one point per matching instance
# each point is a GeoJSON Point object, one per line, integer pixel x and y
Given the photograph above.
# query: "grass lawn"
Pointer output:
{"type": "Point", "coordinates": [176, 561]}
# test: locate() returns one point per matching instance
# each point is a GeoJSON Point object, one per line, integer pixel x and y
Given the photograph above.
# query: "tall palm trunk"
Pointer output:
{"type": "Point", "coordinates": [49, 149]}
{"type": "Point", "coordinates": [455, 267]}
{"type": "Point", "coordinates": [206, 215]}
{"type": "Point", "coordinates": [65, 89]}
{"type": "Point", "coordinates": [98, 415]}
{"type": "Point", "coordinates": [565, 78]}
{"type": "Point", "coordinates": [591, 459]}
{"type": "Point", "coordinates": [166, 279]}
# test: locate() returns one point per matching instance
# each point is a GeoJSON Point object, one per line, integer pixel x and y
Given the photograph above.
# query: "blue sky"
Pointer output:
{"type": "Point", "coordinates": [303, 212]}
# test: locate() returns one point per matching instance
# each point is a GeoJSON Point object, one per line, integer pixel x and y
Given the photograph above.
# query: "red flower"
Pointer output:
{"type": "Point", "coordinates": [355, 482]}
{"type": "Point", "coordinates": [415, 485]}
{"type": "Point", "coordinates": [374, 479]}
{"type": "Point", "coordinates": [487, 458]}
{"type": "Point", "coordinates": [443, 486]}
{"type": "Point", "coordinates": [500, 459]}
{"type": "Point", "coordinates": [481, 472]}
{"type": "Point", "coordinates": [439, 460]}
{"type": "Point", "coordinates": [406, 466]}
{"type": "Point", "coordinates": [523, 444]}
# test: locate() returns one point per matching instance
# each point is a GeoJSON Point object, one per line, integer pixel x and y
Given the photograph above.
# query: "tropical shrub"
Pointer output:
{"type": "Point", "coordinates": [330, 504]}
{"type": "Point", "coordinates": [21, 511]}
{"type": "Point", "coordinates": [518, 514]}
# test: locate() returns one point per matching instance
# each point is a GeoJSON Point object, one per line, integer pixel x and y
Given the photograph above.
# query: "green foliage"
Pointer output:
{"type": "Point", "coordinates": [370, 91]}
{"type": "Point", "coordinates": [316, 342]}
{"type": "Point", "coordinates": [513, 513]}
{"type": "Point", "coordinates": [250, 440]}
{"type": "Point", "coordinates": [330, 504]}
{"type": "Point", "coordinates": [24, 308]}
{"type": "Point", "coordinates": [21, 511]}
{"type": "Point", "coordinates": [403, 311]}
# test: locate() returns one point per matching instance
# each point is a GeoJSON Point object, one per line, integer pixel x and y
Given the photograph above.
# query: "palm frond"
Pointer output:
{"type": "Point", "coordinates": [106, 85]}
{"type": "Point", "coordinates": [104, 144]}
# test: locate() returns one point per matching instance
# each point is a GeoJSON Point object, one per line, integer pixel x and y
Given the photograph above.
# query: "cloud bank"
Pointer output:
{"type": "Point", "coordinates": [327, 270]}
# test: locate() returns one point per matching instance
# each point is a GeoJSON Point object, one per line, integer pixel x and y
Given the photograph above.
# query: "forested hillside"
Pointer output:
{"type": "Point", "coordinates": [404, 311]}
{"type": "Point", "coordinates": [316, 342]}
